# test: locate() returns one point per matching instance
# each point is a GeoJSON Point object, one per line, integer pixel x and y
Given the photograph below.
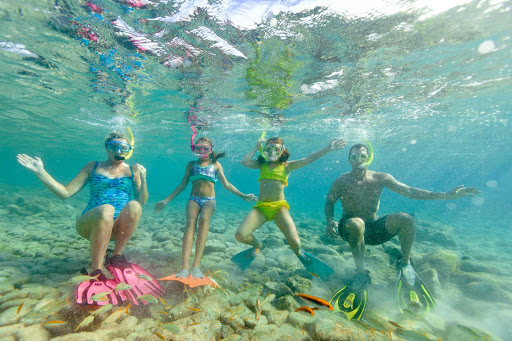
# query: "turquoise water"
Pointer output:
{"type": "Point", "coordinates": [427, 84]}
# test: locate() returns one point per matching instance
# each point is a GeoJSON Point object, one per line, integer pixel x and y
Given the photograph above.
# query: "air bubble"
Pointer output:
{"type": "Point", "coordinates": [404, 149]}
{"type": "Point", "coordinates": [491, 183]}
{"type": "Point", "coordinates": [414, 141]}
{"type": "Point", "coordinates": [487, 47]}
{"type": "Point", "coordinates": [477, 201]}
{"type": "Point", "coordinates": [451, 206]}
{"type": "Point", "coordinates": [273, 22]}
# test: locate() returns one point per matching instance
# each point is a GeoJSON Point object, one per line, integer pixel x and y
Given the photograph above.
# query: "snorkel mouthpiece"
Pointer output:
{"type": "Point", "coordinates": [262, 153]}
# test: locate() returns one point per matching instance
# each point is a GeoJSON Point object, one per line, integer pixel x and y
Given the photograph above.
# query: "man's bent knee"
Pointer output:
{"type": "Point", "coordinates": [355, 227]}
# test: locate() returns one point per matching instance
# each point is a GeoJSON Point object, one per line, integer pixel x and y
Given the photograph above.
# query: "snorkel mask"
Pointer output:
{"type": "Point", "coordinates": [271, 152]}
{"type": "Point", "coordinates": [119, 147]}
{"type": "Point", "coordinates": [202, 150]}
{"type": "Point", "coordinates": [364, 160]}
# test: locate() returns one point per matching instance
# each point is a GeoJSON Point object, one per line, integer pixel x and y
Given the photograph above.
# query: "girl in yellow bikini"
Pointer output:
{"type": "Point", "coordinates": [274, 171]}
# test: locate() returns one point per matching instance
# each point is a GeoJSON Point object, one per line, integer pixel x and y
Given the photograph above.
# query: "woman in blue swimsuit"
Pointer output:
{"type": "Point", "coordinates": [203, 174]}
{"type": "Point", "coordinates": [110, 213]}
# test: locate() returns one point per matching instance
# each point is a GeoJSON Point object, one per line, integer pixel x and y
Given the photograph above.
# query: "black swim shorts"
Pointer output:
{"type": "Point", "coordinates": [375, 232]}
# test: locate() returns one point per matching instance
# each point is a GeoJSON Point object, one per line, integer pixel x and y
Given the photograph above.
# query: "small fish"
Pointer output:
{"type": "Point", "coordinates": [122, 286]}
{"type": "Point", "coordinates": [163, 312]}
{"type": "Point", "coordinates": [374, 323]}
{"type": "Point", "coordinates": [87, 321]}
{"type": "Point", "coordinates": [270, 297]}
{"type": "Point", "coordinates": [306, 309]}
{"type": "Point", "coordinates": [171, 327]}
{"type": "Point", "coordinates": [360, 325]}
{"type": "Point", "coordinates": [193, 324]}
{"type": "Point", "coordinates": [396, 324]}
{"type": "Point", "coordinates": [56, 322]}
{"type": "Point", "coordinates": [82, 278]}
{"type": "Point", "coordinates": [160, 335]}
{"type": "Point", "coordinates": [232, 337]}
{"type": "Point", "coordinates": [162, 300]}
{"type": "Point", "coordinates": [148, 298]}
{"type": "Point", "coordinates": [412, 335]}
{"type": "Point", "coordinates": [100, 296]}
{"type": "Point", "coordinates": [238, 310]}
{"type": "Point", "coordinates": [216, 325]}
{"type": "Point", "coordinates": [168, 307]}
{"type": "Point", "coordinates": [316, 300]}
{"type": "Point", "coordinates": [19, 307]}
{"type": "Point", "coordinates": [194, 309]}
{"type": "Point", "coordinates": [103, 309]}
{"type": "Point", "coordinates": [116, 315]}
{"type": "Point", "coordinates": [146, 277]}
{"type": "Point", "coordinates": [314, 274]}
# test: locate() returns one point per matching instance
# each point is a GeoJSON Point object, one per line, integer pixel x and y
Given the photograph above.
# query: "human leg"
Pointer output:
{"type": "Point", "coordinates": [96, 225]}
{"type": "Point", "coordinates": [251, 223]}
{"type": "Point", "coordinates": [354, 231]}
{"type": "Point", "coordinates": [125, 224]}
{"type": "Point", "coordinates": [202, 234]}
{"type": "Point", "coordinates": [403, 225]}
{"type": "Point", "coordinates": [285, 223]}
{"type": "Point", "coordinates": [188, 236]}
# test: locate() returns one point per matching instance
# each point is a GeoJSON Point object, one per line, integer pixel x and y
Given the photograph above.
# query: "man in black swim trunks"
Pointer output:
{"type": "Point", "coordinates": [359, 192]}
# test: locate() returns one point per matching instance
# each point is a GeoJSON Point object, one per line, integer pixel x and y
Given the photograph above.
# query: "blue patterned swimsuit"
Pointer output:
{"type": "Point", "coordinates": [207, 173]}
{"type": "Point", "coordinates": [116, 192]}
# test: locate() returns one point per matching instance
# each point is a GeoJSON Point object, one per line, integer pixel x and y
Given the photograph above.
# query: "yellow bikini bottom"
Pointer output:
{"type": "Point", "coordinates": [270, 208]}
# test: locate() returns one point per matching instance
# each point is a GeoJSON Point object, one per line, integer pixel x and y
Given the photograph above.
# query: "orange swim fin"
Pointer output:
{"type": "Point", "coordinates": [192, 282]}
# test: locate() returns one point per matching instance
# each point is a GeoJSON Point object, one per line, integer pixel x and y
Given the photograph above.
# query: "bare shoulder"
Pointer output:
{"type": "Point", "coordinates": [381, 176]}
{"type": "Point", "coordinates": [88, 167]}
{"type": "Point", "coordinates": [342, 179]}
{"type": "Point", "coordinates": [217, 165]}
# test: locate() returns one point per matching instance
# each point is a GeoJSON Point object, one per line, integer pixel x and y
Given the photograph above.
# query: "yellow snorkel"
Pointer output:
{"type": "Point", "coordinates": [132, 143]}
{"type": "Point", "coordinates": [370, 149]}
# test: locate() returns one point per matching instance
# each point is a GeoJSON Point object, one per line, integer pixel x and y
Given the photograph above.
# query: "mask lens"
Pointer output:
{"type": "Point", "coordinates": [202, 148]}
{"type": "Point", "coordinates": [118, 146]}
{"type": "Point", "coordinates": [358, 157]}
{"type": "Point", "coordinates": [273, 149]}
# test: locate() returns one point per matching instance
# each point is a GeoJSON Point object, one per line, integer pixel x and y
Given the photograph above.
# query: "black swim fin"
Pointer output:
{"type": "Point", "coordinates": [352, 297]}
{"type": "Point", "coordinates": [412, 294]}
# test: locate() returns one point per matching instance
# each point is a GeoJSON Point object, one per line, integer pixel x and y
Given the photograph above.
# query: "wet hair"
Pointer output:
{"type": "Point", "coordinates": [285, 154]}
{"type": "Point", "coordinates": [115, 136]}
{"type": "Point", "coordinates": [213, 156]}
{"type": "Point", "coordinates": [359, 146]}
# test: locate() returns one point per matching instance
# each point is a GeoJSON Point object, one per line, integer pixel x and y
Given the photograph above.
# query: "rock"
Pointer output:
{"type": "Point", "coordinates": [299, 284]}
{"type": "Point", "coordinates": [6, 287]}
{"type": "Point", "coordinates": [214, 246]}
{"type": "Point", "coordinates": [455, 331]}
{"type": "Point", "coordinates": [251, 322]}
{"type": "Point", "coordinates": [277, 288]}
{"type": "Point", "coordinates": [329, 330]}
{"type": "Point", "coordinates": [16, 210]}
{"type": "Point", "coordinates": [264, 332]}
{"type": "Point", "coordinates": [33, 333]}
{"type": "Point", "coordinates": [445, 262]}
{"type": "Point", "coordinates": [89, 336]}
{"type": "Point", "coordinates": [489, 291]}
{"type": "Point", "coordinates": [12, 329]}
{"type": "Point", "coordinates": [287, 303]}
{"type": "Point", "coordinates": [274, 316]}
{"type": "Point", "coordinates": [274, 243]}
{"type": "Point", "coordinates": [300, 319]}
{"type": "Point", "coordinates": [475, 266]}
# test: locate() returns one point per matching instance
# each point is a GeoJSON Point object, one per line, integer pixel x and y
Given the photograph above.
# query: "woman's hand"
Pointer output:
{"type": "Point", "coordinates": [34, 164]}
{"type": "Point", "coordinates": [142, 171]}
{"type": "Point", "coordinates": [336, 144]}
{"type": "Point", "coordinates": [250, 197]}
{"type": "Point", "coordinates": [160, 206]}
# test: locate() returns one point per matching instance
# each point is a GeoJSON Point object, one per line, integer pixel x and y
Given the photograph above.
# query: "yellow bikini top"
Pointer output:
{"type": "Point", "coordinates": [277, 173]}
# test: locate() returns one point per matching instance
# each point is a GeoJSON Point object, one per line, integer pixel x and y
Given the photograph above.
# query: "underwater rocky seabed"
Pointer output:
{"type": "Point", "coordinates": [40, 251]}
